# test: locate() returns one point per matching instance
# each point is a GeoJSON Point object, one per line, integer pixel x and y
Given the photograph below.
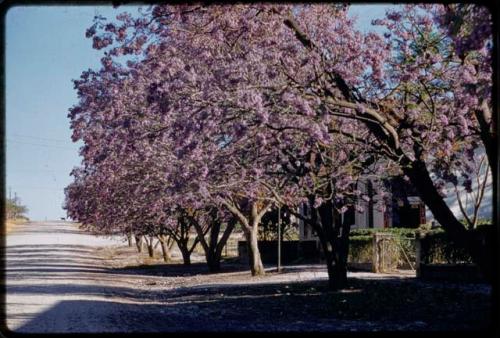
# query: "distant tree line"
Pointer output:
{"type": "Point", "coordinates": [15, 209]}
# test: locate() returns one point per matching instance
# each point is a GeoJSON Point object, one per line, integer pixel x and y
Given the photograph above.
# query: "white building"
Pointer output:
{"type": "Point", "coordinates": [400, 208]}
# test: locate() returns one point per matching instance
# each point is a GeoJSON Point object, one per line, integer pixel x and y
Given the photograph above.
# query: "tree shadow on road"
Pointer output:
{"type": "Point", "coordinates": [190, 298]}
{"type": "Point", "coordinates": [296, 306]}
{"type": "Point", "coordinates": [177, 270]}
{"type": "Point", "coordinates": [59, 247]}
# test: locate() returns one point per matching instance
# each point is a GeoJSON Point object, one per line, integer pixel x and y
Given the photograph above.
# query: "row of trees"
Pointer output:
{"type": "Point", "coordinates": [210, 115]}
{"type": "Point", "coordinates": [14, 208]}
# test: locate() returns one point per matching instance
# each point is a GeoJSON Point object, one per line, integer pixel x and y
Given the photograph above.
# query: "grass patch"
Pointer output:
{"type": "Point", "coordinates": [11, 224]}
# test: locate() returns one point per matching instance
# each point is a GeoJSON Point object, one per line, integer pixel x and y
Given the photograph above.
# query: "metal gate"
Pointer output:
{"type": "Point", "coordinates": [387, 253]}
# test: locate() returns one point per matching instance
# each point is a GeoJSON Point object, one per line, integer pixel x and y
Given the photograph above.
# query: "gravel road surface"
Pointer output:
{"type": "Point", "coordinates": [62, 280]}
{"type": "Point", "coordinates": [55, 282]}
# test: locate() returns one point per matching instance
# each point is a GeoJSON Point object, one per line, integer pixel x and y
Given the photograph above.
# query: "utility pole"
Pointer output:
{"type": "Point", "coordinates": [15, 205]}
{"type": "Point", "coordinates": [279, 237]}
{"type": "Point", "coordinates": [9, 212]}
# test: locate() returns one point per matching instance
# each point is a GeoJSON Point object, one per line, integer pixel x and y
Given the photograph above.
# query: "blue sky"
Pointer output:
{"type": "Point", "coordinates": [45, 49]}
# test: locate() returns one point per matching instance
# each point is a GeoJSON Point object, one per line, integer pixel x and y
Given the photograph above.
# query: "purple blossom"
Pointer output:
{"type": "Point", "coordinates": [444, 120]}
{"type": "Point", "coordinates": [317, 202]}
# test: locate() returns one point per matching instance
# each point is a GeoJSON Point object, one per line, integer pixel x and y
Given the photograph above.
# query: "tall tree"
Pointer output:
{"type": "Point", "coordinates": [239, 95]}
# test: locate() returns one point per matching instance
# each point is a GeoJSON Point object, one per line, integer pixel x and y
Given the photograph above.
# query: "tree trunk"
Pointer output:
{"type": "Point", "coordinates": [129, 239]}
{"type": "Point", "coordinates": [421, 180]}
{"type": "Point", "coordinates": [333, 278]}
{"type": "Point", "coordinates": [250, 228]}
{"type": "Point", "coordinates": [342, 250]}
{"type": "Point", "coordinates": [334, 239]}
{"type": "Point", "coordinates": [487, 132]}
{"type": "Point", "coordinates": [213, 248]}
{"type": "Point", "coordinates": [186, 256]}
{"type": "Point", "coordinates": [329, 220]}
{"type": "Point", "coordinates": [223, 241]}
{"type": "Point", "coordinates": [151, 249]}
{"type": "Point", "coordinates": [213, 261]}
{"type": "Point", "coordinates": [186, 253]}
{"type": "Point", "coordinates": [256, 266]}
{"type": "Point", "coordinates": [166, 246]}
{"type": "Point", "coordinates": [139, 243]}
{"type": "Point", "coordinates": [150, 245]}
{"type": "Point", "coordinates": [183, 236]}
{"type": "Point", "coordinates": [167, 257]}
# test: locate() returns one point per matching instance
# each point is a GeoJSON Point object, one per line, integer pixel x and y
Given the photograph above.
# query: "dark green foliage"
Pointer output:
{"type": "Point", "coordinates": [361, 244]}
{"type": "Point", "coordinates": [268, 229]}
{"type": "Point", "coordinates": [360, 249]}
{"type": "Point", "coordinates": [401, 232]}
{"type": "Point", "coordinates": [437, 247]}
{"type": "Point", "coordinates": [480, 222]}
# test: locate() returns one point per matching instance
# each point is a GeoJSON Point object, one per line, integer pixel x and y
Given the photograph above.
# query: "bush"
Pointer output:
{"type": "Point", "coordinates": [268, 229]}
{"type": "Point", "coordinates": [400, 232]}
{"type": "Point", "coordinates": [480, 222]}
{"type": "Point", "coordinates": [404, 237]}
{"type": "Point", "coordinates": [438, 248]}
{"type": "Point", "coordinates": [360, 249]}
{"type": "Point", "coordinates": [14, 209]}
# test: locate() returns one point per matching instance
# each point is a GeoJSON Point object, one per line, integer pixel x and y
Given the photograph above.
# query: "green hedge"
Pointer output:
{"type": "Point", "coordinates": [360, 249]}
{"type": "Point", "coordinates": [361, 244]}
{"type": "Point", "coordinates": [401, 232]}
{"type": "Point", "coordinates": [438, 248]}
{"type": "Point", "coordinates": [480, 222]}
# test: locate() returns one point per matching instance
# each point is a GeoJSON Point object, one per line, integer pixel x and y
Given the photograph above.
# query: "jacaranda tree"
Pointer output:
{"type": "Point", "coordinates": [254, 105]}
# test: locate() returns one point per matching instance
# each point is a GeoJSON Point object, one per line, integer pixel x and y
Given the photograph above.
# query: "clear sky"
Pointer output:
{"type": "Point", "coordinates": [45, 49]}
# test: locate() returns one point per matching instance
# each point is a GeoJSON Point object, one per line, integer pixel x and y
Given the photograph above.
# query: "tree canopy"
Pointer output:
{"type": "Point", "coordinates": [242, 107]}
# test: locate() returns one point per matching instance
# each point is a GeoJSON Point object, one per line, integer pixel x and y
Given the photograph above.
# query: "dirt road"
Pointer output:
{"type": "Point", "coordinates": [61, 280]}
{"type": "Point", "coordinates": [53, 279]}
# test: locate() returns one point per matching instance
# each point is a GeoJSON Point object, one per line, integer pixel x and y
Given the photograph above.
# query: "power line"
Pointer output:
{"type": "Point", "coordinates": [38, 188]}
{"type": "Point", "coordinates": [40, 145]}
{"type": "Point", "coordinates": [40, 138]}
{"type": "Point", "coordinates": [37, 171]}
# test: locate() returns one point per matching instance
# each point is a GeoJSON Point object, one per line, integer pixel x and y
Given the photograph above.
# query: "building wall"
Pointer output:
{"type": "Point", "coordinates": [362, 217]}
{"type": "Point", "coordinates": [382, 215]}
{"type": "Point", "coordinates": [305, 230]}
{"type": "Point", "coordinates": [378, 218]}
